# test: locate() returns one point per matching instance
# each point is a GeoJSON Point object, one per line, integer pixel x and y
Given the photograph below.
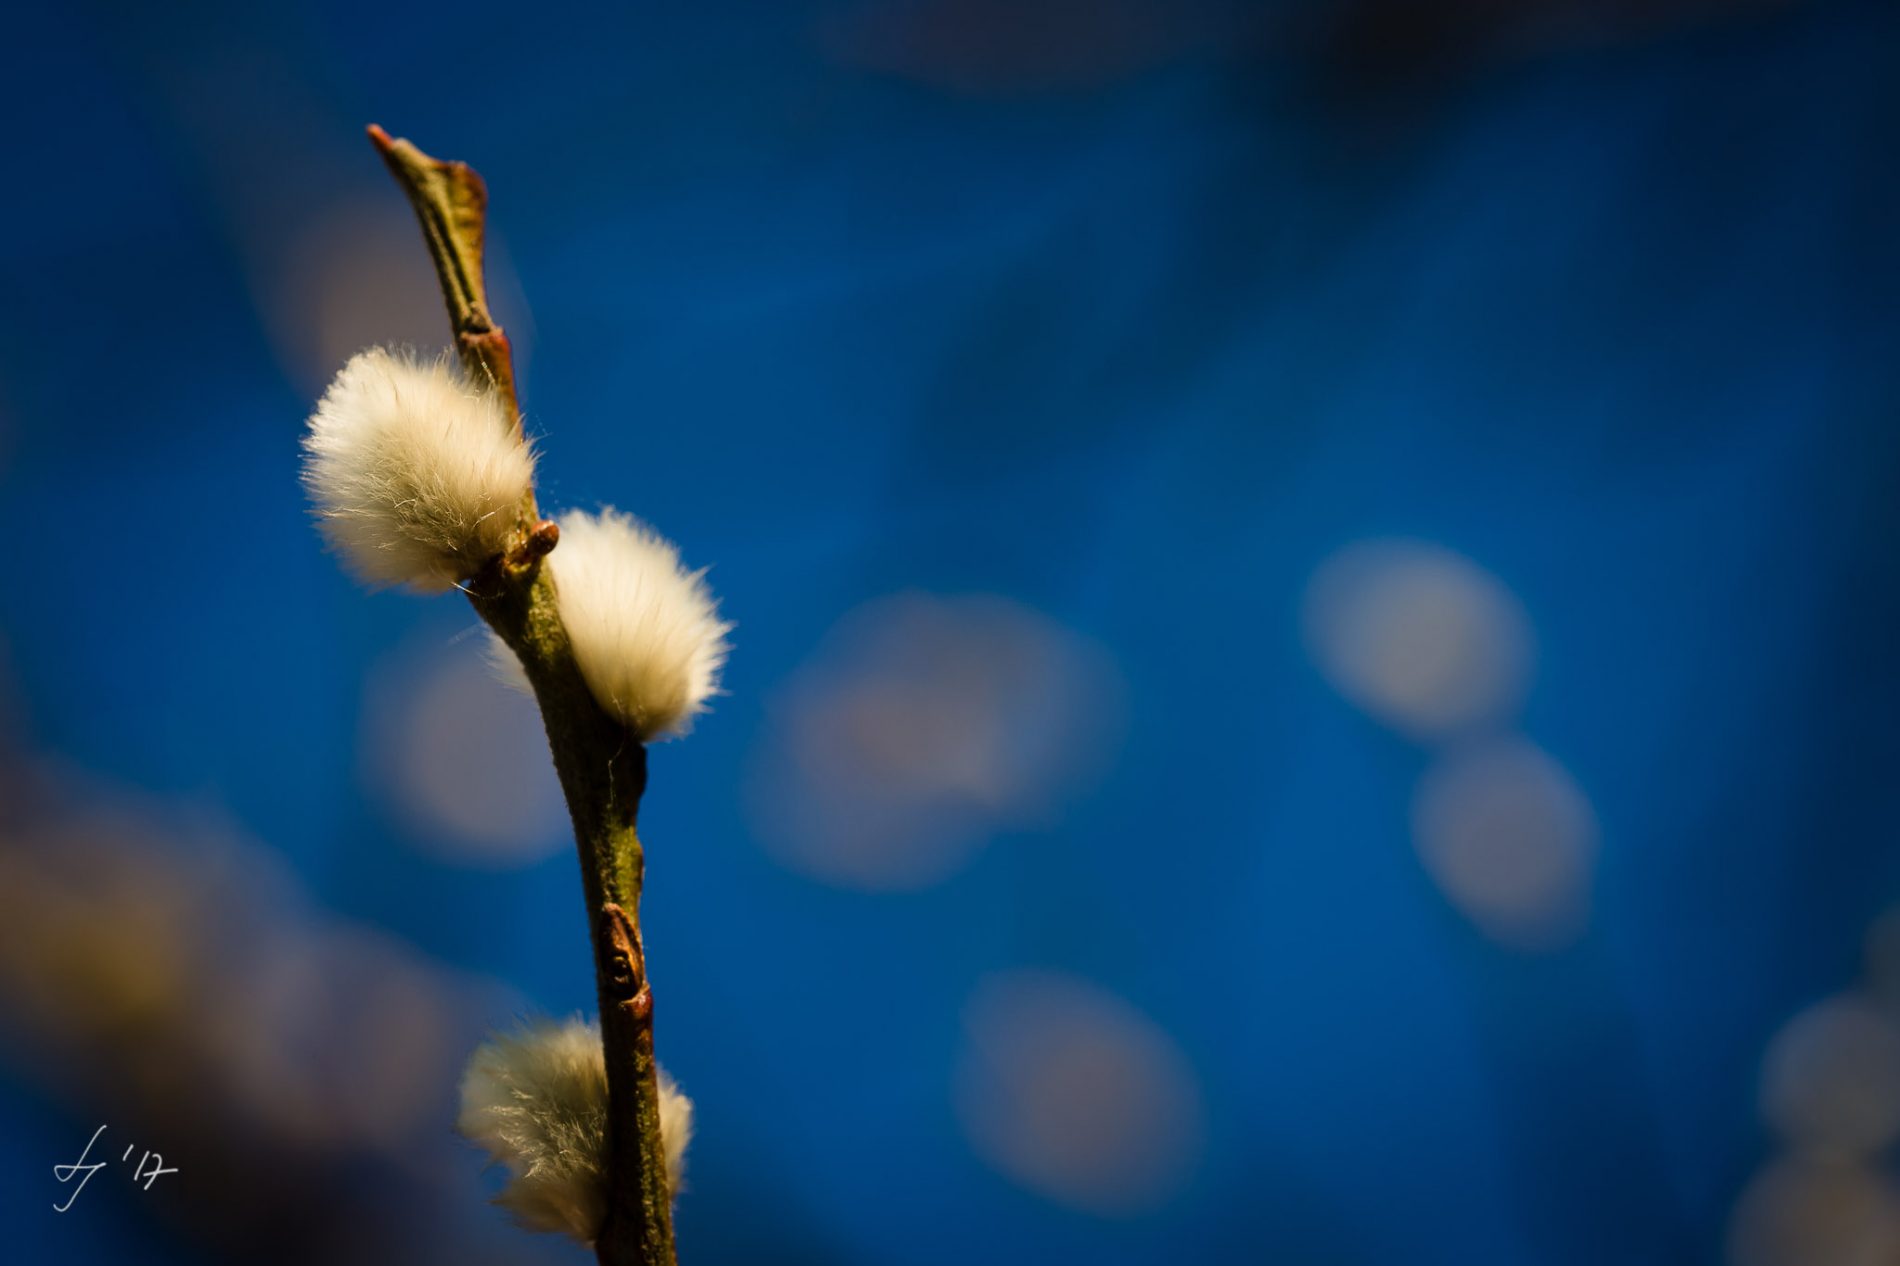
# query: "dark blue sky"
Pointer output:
{"type": "Point", "coordinates": [1134, 320]}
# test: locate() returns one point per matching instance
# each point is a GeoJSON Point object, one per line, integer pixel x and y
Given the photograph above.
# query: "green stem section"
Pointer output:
{"type": "Point", "coordinates": [603, 772]}
{"type": "Point", "coordinates": [601, 765]}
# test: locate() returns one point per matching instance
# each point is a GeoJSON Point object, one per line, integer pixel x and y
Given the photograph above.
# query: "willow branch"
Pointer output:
{"type": "Point", "coordinates": [602, 766]}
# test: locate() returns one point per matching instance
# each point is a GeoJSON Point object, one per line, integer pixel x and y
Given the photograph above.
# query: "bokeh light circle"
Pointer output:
{"type": "Point", "coordinates": [921, 726]}
{"type": "Point", "coordinates": [1816, 1211]}
{"type": "Point", "coordinates": [1419, 637]}
{"type": "Point", "coordinates": [1510, 839]}
{"type": "Point", "coordinates": [462, 759]}
{"type": "Point", "coordinates": [1076, 1095]}
{"type": "Point", "coordinates": [1831, 1077]}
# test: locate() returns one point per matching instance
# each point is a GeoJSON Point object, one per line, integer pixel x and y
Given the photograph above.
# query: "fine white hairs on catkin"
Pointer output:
{"type": "Point", "coordinates": [646, 632]}
{"type": "Point", "coordinates": [536, 1099]}
{"type": "Point", "coordinates": [417, 476]}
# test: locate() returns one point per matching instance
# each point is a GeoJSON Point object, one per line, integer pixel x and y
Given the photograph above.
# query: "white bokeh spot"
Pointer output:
{"type": "Point", "coordinates": [1419, 637]}
{"type": "Point", "coordinates": [1076, 1095]}
{"type": "Point", "coordinates": [1511, 841]}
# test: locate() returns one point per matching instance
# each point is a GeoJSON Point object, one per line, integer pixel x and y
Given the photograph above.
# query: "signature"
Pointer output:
{"type": "Point", "coordinates": [150, 1167]}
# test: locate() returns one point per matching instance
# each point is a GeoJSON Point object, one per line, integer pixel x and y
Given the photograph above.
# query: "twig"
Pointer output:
{"type": "Point", "coordinates": [601, 764]}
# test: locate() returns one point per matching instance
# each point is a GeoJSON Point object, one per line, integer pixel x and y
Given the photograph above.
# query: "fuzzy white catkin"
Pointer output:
{"type": "Point", "coordinates": [646, 632]}
{"type": "Point", "coordinates": [417, 476]}
{"type": "Point", "coordinates": [536, 1099]}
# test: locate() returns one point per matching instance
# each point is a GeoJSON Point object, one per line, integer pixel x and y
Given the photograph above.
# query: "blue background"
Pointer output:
{"type": "Point", "coordinates": [1134, 315]}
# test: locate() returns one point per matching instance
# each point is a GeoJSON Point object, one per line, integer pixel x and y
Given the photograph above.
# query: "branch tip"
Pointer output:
{"type": "Point", "coordinates": [451, 205]}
